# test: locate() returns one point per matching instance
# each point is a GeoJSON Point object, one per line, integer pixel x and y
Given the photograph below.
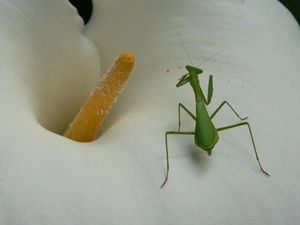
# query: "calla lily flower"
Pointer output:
{"type": "Point", "coordinates": [50, 63]}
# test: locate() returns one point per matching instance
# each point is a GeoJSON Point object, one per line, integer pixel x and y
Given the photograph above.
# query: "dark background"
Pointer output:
{"type": "Point", "coordinates": [85, 8]}
{"type": "Point", "coordinates": [294, 7]}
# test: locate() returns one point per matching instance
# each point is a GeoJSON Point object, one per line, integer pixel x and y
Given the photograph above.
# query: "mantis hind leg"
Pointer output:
{"type": "Point", "coordinates": [187, 111]}
{"type": "Point", "coordinates": [222, 104]}
{"type": "Point", "coordinates": [167, 151]}
{"type": "Point", "coordinates": [253, 143]}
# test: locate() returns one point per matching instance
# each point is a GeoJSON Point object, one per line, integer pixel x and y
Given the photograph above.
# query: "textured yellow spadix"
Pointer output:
{"type": "Point", "coordinates": [86, 124]}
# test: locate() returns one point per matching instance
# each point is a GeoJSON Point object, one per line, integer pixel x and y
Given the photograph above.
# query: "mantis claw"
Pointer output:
{"type": "Point", "coordinates": [265, 173]}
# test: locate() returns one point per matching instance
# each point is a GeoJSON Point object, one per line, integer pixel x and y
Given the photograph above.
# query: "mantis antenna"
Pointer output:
{"type": "Point", "coordinates": [186, 50]}
{"type": "Point", "coordinates": [190, 57]}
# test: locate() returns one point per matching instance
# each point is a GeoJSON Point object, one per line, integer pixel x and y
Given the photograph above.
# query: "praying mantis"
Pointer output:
{"type": "Point", "coordinates": [205, 134]}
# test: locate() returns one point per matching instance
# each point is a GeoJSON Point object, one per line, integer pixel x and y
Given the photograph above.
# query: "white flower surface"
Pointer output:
{"type": "Point", "coordinates": [49, 64]}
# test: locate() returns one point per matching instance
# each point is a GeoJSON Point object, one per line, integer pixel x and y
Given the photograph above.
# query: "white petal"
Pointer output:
{"type": "Point", "coordinates": [48, 179]}
{"type": "Point", "coordinates": [257, 72]}
{"type": "Point", "coordinates": [46, 64]}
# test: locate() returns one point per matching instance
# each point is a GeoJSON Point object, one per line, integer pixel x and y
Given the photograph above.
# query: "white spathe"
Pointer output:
{"type": "Point", "coordinates": [47, 70]}
{"type": "Point", "coordinates": [45, 61]}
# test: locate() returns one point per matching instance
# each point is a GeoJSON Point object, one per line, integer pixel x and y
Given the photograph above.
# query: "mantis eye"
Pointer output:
{"type": "Point", "coordinates": [194, 69]}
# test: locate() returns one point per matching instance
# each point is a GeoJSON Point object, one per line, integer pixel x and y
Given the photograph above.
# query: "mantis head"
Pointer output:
{"type": "Point", "coordinates": [186, 77]}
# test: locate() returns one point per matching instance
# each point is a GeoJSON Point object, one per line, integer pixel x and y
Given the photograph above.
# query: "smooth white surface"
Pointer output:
{"type": "Point", "coordinates": [47, 179]}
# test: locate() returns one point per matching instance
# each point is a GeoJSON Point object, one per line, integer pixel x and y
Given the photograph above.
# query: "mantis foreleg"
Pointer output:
{"type": "Point", "coordinates": [209, 91]}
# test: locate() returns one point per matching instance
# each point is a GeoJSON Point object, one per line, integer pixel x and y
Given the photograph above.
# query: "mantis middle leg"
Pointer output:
{"type": "Point", "coordinates": [187, 111]}
{"type": "Point", "coordinates": [221, 105]}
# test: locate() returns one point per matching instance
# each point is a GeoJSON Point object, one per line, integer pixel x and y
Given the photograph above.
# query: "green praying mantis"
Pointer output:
{"type": "Point", "coordinates": [205, 134]}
